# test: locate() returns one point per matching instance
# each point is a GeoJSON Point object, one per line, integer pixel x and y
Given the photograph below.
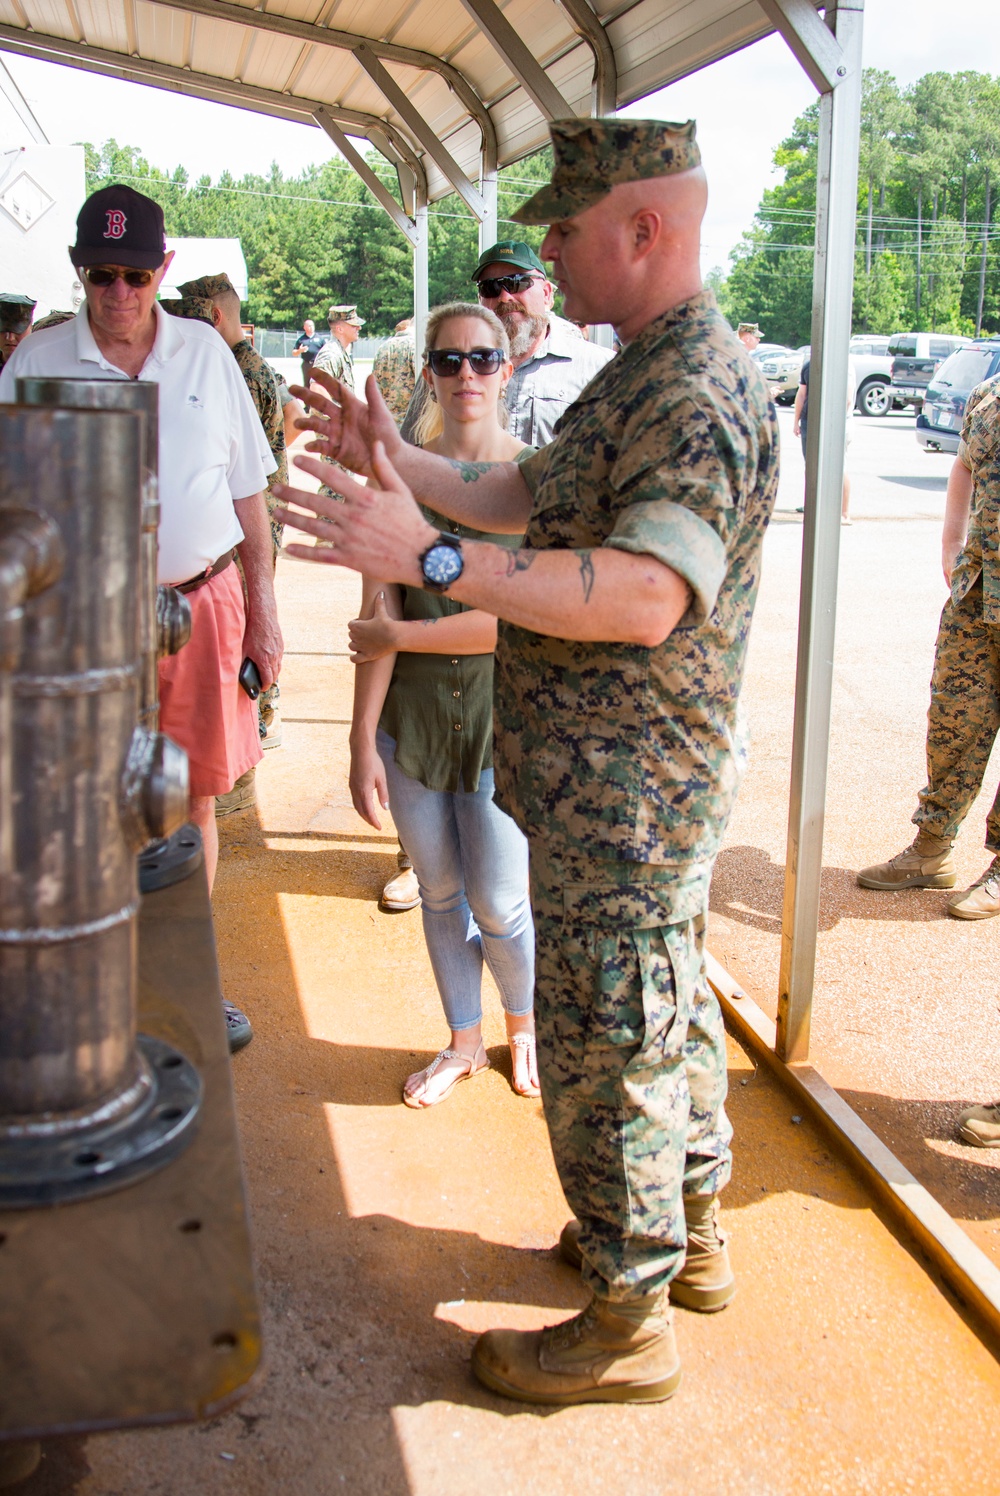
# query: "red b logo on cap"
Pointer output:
{"type": "Point", "coordinates": [116, 224]}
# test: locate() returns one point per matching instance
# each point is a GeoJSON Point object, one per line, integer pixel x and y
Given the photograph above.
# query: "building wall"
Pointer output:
{"type": "Point", "coordinates": [42, 188]}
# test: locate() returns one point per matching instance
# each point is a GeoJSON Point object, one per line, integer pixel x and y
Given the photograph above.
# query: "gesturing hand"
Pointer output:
{"type": "Point", "coordinates": [346, 428]}
{"type": "Point", "coordinates": [376, 530]}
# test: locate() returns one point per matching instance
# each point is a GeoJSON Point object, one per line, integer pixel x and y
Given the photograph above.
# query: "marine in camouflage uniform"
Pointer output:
{"type": "Point", "coordinates": [395, 369]}
{"type": "Point", "coordinates": [335, 359]}
{"type": "Point", "coordinates": [964, 714]}
{"type": "Point", "coordinates": [617, 762]}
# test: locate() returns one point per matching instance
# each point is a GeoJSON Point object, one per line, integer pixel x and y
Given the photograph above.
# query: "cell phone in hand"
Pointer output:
{"type": "Point", "coordinates": [250, 679]}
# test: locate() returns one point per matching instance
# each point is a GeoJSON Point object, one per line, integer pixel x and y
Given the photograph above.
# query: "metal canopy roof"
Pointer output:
{"type": "Point", "coordinates": [447, 88]}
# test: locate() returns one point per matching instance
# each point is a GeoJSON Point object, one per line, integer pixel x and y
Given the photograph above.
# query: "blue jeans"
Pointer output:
{"type": "Point", "coordinates": [471, 863]}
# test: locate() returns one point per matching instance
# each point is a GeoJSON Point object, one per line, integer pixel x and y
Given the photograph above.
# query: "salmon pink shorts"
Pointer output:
{"type": "Point", "coordinates": [202, 705]}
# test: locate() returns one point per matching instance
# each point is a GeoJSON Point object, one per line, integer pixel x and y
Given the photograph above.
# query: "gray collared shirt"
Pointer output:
{"type": "Point", "coordinates": [541, 388]}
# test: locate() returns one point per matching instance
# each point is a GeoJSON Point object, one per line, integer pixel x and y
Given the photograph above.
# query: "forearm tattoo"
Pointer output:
{"type": "Point", "coordinates": [471, 471]}
{"type": "Point", "coordinates": [586, 575]}
{"type": "Point", "coordinates": [519, 561]}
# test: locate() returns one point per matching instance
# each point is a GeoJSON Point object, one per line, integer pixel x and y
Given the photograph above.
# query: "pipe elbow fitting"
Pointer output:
{"type": "Point", "coordinates": [154, 788]}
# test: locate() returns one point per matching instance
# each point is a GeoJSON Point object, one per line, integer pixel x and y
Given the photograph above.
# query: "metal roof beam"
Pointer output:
{"type": "Point", "coordinates": [202, 86]}
{"type": "Point", "coordinates": [519, 58]}
{"type": "Point", "coordinates": [588, 25]}
{"type": "Point", "coordinates": [346, 41]}
{"type": "Point", "coordinates": [422, 131]}
{"type": "Point", "coordinates": [811, 42]}
{"type": "Point", "coordinates": [406, 225]}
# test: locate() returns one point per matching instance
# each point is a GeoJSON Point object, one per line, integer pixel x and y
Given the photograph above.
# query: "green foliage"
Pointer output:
{"type": "Point", "coordinates": [929, 176]}
{"type": "Point", "coordinates": [320, 237]}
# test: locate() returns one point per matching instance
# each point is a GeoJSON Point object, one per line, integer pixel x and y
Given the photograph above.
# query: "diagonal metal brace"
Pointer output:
{"type": "Point", "coordinates": [364, 171]}
{"type": "Point", "coordinates": [519, 58]}
{"type": "Point", "coordinates": [812, 42]}
{"type": "Point", "coordinates": [435, 148]}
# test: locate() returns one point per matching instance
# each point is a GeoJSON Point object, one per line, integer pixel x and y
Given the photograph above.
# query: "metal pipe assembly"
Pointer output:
{"type": "Point", "coordinates": [85, 1106]}
{"type": "Point", "coordinates": [165, 614]}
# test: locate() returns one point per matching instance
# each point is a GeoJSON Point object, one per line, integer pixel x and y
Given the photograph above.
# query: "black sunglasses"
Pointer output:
{"type": "Point", "coordinates": [512, 284]}
{"type": "Point", "coordinates": [447, 362]}
{"type": "Point", "coordinates": [104, 275]}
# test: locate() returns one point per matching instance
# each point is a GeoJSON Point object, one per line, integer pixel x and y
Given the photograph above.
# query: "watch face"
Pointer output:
{"type": "Point", "coordinates": [442, 565]}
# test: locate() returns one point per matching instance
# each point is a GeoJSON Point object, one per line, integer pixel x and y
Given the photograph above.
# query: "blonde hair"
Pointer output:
{"type": "Point", "coordinates": [430, 422]}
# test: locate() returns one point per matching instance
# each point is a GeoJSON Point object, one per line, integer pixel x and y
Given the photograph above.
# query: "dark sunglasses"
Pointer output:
{"type": "Point", "coordinates": [447, 362]}
{"type": "Point", "coordinates": [512, 284]}
{"type": "Point", "coordinates": [104, 275]}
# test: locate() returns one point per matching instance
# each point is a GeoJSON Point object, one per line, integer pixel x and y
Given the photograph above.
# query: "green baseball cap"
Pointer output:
{"type": "Point", "coordinates": [593, 155]}
{"type": "Point", "coordinates": [511, 252]}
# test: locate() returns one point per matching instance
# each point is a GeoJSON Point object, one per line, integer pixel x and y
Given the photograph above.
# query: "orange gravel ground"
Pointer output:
{"type": "Point", "coordinates": [387, 1238]}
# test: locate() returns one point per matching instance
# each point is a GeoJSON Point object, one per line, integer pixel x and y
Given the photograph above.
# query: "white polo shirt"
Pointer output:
{"type": "Point", "coordinates": [212, 446]}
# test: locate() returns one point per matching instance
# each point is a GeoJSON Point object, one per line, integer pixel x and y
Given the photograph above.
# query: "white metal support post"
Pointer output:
{"type": "Point", "coordinates": [833, 282]}
{"type": "Point", "coordinates": [489, 187]}
{"type": "Point", "coordinates": [421, 273]}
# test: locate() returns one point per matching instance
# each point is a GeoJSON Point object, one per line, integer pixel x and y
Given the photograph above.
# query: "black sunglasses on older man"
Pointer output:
{"type": "Point", "coordinates": [103, 275]}
{"type": "Point", "coordinates": [490, 287]}
{"type": "Point", "coordinates": [447, 362]}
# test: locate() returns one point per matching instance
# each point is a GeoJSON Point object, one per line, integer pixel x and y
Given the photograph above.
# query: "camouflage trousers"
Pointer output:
{"type": "Point", "coordinates": [632, 1063]}
{"type": "Point", "coordinates": [963, 719]}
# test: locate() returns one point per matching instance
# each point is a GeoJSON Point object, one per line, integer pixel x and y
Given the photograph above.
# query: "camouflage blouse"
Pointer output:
{"type": "Point", "coordinates": [619, 750]}
{"type": "Point", "coordinates": [979, 449]}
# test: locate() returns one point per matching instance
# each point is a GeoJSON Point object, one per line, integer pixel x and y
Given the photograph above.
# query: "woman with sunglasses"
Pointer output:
{"type": "Point", "coordinates": [422, 735]}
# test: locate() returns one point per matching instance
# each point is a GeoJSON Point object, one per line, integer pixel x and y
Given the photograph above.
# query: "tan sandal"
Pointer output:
{"type": "Point", "coordinates": [473, 1062]}
{"type": "Point", "coordinates": [525, 1042]}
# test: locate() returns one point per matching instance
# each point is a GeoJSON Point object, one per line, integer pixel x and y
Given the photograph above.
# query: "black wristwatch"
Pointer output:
{"type": "Point", "coordinates": [442, 563]}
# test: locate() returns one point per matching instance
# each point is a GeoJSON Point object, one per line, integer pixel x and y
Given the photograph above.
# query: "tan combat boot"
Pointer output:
{"type": "Point", "coordinates": [706, 1282]}
{"type": "Point", "coordinates": [609, 1353]}
{"type": "Point", "coordinates": [926, 863]}
{"type": "Point", "coordinates": [982, 900]}
{"type": "Point", "coordinates": [980, 1126]}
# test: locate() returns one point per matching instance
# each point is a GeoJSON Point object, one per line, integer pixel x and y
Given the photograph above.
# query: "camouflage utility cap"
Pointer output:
{"type": "Point", "coordinates": [749, 328]}
{"type": "Point", "coordinates": [195, 308]}
{"type": "Point", "coordinates": [209, 286]}
{"type": "Point", "coordinates": [594, 155]}
{"type": "Point", "coordinates": [15, 311]}
{"type": "Point", "coordinates": [54, 319]}
{"type": "Point", "coordinates": [348, 314]}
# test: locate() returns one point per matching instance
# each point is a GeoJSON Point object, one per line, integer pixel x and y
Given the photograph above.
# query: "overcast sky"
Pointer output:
{"type": "Point", "coordinates": [744, 105]}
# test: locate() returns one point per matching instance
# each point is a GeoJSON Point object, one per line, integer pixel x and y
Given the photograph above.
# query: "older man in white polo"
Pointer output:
{"type": "Point", "coordinates": [214, 463]}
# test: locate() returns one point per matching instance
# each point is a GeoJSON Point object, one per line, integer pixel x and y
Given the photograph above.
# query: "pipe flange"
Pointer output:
{"type": "Point", "coordinates": [171, 861]}
{"type": "Point", "coordinates": [98, 1159]}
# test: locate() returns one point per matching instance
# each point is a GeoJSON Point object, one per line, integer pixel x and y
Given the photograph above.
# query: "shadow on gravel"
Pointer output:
{"type": "Point", "coordinates": [927, 485]}
{"type": "Point", "coordinates": [748, 887]}
{"type": "Point", "coordinates": [921, 1133]}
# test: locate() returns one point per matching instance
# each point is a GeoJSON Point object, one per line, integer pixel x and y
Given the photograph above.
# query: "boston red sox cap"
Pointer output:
{"type": "Point", "coordinates": [118, 226]}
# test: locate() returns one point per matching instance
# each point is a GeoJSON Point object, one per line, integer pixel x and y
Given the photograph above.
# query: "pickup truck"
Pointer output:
{"type": "Point", "coordinates": [872, 369]}
{"type": "Point", "coordinates": [916, 358]}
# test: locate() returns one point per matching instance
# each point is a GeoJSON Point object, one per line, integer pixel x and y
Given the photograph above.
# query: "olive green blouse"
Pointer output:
{"type": "Point", "coordinates": [439, 708]}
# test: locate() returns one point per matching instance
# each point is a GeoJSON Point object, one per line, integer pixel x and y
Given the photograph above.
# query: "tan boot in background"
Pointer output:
{"type": "Point", "coordinates": [706, 1282]}
{"type": "Point", "coordinates": [982, 900]}
{"type": "Point", "coordinates": [609, 1353]}
{"type": "Point", "coordinates": [980, 1126]}
{"type": "Point", "coordinates": [926, 863]}
{"type": "Point", "coordinates": [242, 796]}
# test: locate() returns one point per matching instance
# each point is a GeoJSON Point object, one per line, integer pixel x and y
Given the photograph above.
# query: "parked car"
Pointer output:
{"type": "Point", "coordinates": [939, 423]}
{"type": "Point", "coordinates": [781, 369]}
{"type": "Point", "coordinates": [916, 358]}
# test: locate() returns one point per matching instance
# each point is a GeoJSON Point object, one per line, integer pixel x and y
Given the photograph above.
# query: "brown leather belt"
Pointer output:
{"type": "Point", "coordinates": [208, 575]}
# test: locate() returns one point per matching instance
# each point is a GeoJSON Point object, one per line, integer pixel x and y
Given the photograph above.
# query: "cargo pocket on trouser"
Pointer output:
{"type": "Point", "coordinates": [612, 1021]}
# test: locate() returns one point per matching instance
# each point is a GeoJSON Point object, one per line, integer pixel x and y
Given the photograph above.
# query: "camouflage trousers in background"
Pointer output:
{"type": "Point", "coordinates": [963, 719]}
{"type": "Point", "coordinates": [631, 1061]}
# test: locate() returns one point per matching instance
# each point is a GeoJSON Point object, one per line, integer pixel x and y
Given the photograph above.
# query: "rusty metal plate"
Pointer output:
{"type": "Point", "coordinates": [140, 1306]}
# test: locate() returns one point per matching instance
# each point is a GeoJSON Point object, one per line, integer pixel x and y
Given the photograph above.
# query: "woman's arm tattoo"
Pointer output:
{"type": "Point", "coordinates": [471, 471]}
{"type": "Point", "coordinates": [586, 575]}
